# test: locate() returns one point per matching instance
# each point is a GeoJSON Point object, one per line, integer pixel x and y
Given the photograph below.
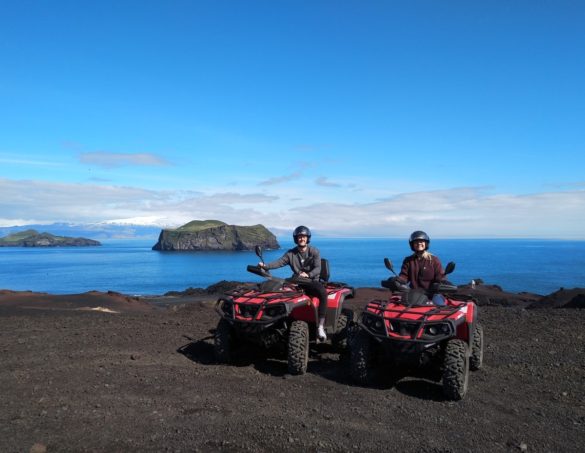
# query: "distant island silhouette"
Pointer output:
{"type": "Point", "coordinates": [32, 238]}
{"type": "Point", "coordinates": [210, 235]}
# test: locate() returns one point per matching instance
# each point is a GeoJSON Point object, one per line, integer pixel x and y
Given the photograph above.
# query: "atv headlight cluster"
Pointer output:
{"type": "Point", "coordinates": [248, 311]}
{"type": "Point", "coordinates": [274, 311]}
{"type": "Point", "coordinates": [227, 307]}
{"type": "Point", "coordinates": [374, 323]}
{"type": "Point", "coordinates": [433, 330]}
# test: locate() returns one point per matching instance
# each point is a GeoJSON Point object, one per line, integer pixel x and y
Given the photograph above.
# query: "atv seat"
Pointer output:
{"type": "Point", "coordinates": [324, 275]}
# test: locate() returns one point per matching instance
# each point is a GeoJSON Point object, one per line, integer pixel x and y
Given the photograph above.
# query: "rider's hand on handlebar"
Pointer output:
{"type": "Point", "coordinates": [261, 265]}
{"type": "Point", "coordinates": [303, 274]}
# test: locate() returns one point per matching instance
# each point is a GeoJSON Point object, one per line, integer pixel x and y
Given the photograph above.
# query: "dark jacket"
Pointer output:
{"type": "Point", "coordinates": [420, 272]}
{"type": "Point", "coordinates": [310, 262]}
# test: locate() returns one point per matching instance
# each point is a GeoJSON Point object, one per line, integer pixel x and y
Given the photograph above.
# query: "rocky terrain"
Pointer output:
{"type": "Point", "coordinates": [32, 238]}
{"type": "Point", "coordinates": [105, 372]}
{"type": "Point", "coordinates": [215, 235]}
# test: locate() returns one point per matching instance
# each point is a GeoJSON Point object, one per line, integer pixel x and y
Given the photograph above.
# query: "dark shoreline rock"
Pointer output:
{"type": "Point", "coordinates": [215, 289]}
{"type": "Point", "coordinates": [486, 295]}
{"type": "Point", "coordinates": [563, 298]}
{"type": "Point", "coordinates": [212, 235]}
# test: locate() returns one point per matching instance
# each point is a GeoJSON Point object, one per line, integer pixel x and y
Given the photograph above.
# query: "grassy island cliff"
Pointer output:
{"type": "Point", "coordinates": [206, 235]}
{"type": "Point", "coordinates": [32, 238]}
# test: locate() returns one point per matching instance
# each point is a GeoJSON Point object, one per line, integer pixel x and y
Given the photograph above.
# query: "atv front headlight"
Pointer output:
{"type": "Point", "coordinates": [439, 329]}
{"type": "Point", "coordinates": [227, 307]}
{"type": "Point", "coordinates": [248, 310]}
{"type": "Point", "coordinates": [275, 310]}
{"type": "Point", "coordinates": [374, 323]}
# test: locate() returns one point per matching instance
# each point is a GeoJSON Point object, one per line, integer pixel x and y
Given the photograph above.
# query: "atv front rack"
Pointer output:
{"type": "Point", "coordinates": [409, 324]}
{"type": "Point", "coordinates": [382, 305]}
{"type": "Point", "coordinates": [253, 306]}
{"type": "Point", "coordinates": [250, 293]}
{"type": "Point", "coordinates": [257, 306]}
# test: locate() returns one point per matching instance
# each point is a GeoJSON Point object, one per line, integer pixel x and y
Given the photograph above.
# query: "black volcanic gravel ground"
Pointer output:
{"type": "Point", "coordinates": [146, 381]}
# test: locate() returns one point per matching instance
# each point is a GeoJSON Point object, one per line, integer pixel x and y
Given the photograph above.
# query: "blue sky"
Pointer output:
{"type": "Point", "coordinates": [356, 118]}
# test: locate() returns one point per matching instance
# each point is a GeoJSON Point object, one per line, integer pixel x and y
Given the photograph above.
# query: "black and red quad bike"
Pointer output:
{"type": "Point", "coordinates": [277, 313]}
{"type": "Point", "coordinates": [408, 332]}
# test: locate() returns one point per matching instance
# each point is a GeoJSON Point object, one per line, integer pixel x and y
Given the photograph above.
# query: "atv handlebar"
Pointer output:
{"type": "Point", "coordinates": [262, 272]}
{"type": "Point", "coordinates": [443, 287]}
{"type": "Point", "coordinates": [298, 280]}
{"type": "Point", "coordinates": [259, 271]}
{"type": "Point", "coordinates": [395, 284]}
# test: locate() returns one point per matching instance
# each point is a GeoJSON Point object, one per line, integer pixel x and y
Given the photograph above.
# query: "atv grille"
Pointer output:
{"type": "Point", "coordinates": [404, 328]}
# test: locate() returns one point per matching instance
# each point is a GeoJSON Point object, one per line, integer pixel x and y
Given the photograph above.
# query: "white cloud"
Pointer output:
{"type": "Point", "coordinates": [324, 182]}
{"type": "Point", "coordinates": [458, 212]}
{"type": "Point", "coordinates": [110, 160]}
{"type": "Point", "coordinates": [31, 162]}
{"type": "Point", "coordinates": [46, 202]}
{"type": "Point", "coordinates": [280, 179]}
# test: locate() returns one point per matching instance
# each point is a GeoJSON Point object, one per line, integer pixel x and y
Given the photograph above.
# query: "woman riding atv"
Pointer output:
{"type": "Point", "coordinates": [422, 269]}
{"type": "Point", "coordinates": [305, 261]}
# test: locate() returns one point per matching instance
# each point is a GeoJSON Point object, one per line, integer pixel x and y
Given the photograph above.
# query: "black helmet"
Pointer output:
{"type": "Point", "coordinates": [419, 236]}
{"type": "Point", "coordinates": [302, 230]}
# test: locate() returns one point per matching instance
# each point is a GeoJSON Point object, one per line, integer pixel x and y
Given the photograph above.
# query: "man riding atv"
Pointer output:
{"type": "Point", "coordinates": [288, 312]}
{"type": "Point", "coordinates": [305, 261]}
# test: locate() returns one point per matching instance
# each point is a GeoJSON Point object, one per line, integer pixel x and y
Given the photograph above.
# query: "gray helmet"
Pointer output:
{"type": "Point", "coordinates": [302, 230]}
{"type": "Point", "coordinates": [419, 236]}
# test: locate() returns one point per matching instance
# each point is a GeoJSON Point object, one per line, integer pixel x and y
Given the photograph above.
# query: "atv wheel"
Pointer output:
{"type": "Point", "coordinates": [360, 358]}
{"type": "Point", "coordinates": [341, 336]}
{"type": "Point", "coordinates": [455, 370]}
{"type": "Point", "coordinates": [222, 341]}
{"type": "Point", "coordinates": [298, 347]}
{"type": "Point", "coordinates": [476, 359]}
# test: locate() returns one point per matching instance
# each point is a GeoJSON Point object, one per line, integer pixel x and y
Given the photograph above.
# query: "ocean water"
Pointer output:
{"type": "Point", "coordinates": [131, 267]}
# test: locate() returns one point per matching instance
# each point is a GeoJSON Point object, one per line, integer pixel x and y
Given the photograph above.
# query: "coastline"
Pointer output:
{"type": "Point", "coordinates": [486, 295]}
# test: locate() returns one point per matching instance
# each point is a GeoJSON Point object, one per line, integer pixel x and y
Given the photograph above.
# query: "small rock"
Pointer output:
{"type": "Point", "coordinates": [523, 446]}
{"type": "Point", "coordinates": [38, 448]}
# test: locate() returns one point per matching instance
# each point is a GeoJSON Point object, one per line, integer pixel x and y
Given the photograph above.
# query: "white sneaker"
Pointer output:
{"type": "Point", "coordinates": [321, 333]}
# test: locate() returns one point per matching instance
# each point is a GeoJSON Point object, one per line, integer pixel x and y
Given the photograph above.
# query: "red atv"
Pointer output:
{"type": "Point", "coordinates": [409, 332]}
{"type": "Point", "coordinates": [276, 313]}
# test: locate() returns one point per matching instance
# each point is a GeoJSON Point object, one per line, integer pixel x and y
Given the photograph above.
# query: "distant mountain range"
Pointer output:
{"type": "Point", "coordinates": [97, 231]}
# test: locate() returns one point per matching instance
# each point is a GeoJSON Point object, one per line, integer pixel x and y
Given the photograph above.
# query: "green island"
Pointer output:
{"type": "Point", "coordinates": [32, 238]}
{"type": "Point", "coordinates": [210, 235]}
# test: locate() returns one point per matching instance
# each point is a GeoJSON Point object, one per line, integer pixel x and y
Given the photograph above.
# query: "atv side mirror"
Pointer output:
{"type": "Point", "coordinates": [450, 267]}
{"type": "Point", "coordinates": [258, 251]}
{"type": "Point", "coordinates": [389, 266]}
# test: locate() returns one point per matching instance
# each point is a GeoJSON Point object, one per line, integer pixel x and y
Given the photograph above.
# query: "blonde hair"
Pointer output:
{"type": "Point", "coordinates": [426, 255]}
